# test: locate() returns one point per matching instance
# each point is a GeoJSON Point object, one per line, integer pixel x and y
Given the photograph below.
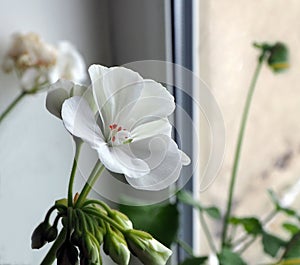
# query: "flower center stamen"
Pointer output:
{"type": "Point", "coordinates": [118, 135]}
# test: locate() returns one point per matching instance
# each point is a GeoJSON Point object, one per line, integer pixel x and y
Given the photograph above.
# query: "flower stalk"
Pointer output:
{"type": "Point", "coordinates": [239, 146]}
{"type": "Point", "coordinates": [95, 174]}
{"type": "Point", "coordinates": [12, 105]}
{"type": "Point", "coordinates": [73, 172]}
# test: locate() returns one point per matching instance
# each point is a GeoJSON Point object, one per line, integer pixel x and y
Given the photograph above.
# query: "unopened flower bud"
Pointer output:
{"type": "Point", "coordinates": [148, 250]}
{"type": "Point", "coordinates": [38, 236]}
{"type": "Point", "coordinates": [90, 250]}
{"type": "Point", "coordinates": [279, 57]}
{"type": "Point", "coordinates": [51, 234]}
{"type": "Point", "coordinates": [116, 247]}
{"type": "Point", "coordinates": [67, 254]}
{"type": "Point", "coordinates": [121, 219]}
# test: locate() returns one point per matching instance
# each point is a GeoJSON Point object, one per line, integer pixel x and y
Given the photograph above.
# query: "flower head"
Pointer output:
{"type": "Point", "coordinates": [131, 132]}
{"type": "Point", "coordinates": [38, 63]}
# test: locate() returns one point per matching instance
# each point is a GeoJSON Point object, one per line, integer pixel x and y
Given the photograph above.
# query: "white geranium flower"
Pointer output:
{"type": "Point", "coordinates": [131, 134]}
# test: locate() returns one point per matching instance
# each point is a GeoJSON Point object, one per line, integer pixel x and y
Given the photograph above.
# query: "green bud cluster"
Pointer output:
{"type": "Point", "coordinates": [92, 225]}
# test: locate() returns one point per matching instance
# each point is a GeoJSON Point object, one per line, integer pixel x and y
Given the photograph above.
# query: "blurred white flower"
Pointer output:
{"type": "Point", "coordinates": [38, 63]}
{"type": "Point", "coordinates": [131, 134]}
{"type": "Point", "coordinates": [69, 65]}
{"type": "Point", "coordinates": [29, 50]}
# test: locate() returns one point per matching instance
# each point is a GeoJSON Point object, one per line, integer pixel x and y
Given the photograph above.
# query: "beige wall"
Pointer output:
{"type": "Point", "coordinates": [227, 61]}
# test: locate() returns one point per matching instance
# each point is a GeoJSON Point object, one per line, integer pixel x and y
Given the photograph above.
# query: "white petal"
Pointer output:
{"type": "Point", "coordinates": [120, 105]}
{"type": "Point", "coordinates": [155, 103]}
{"type": "Point", "coordinates": [164, 160]}
{"type": "Point", "coordinates": [107, 81]}
{"type": "Point", "coordinates": [79, 120]}
{"type": "Point", "coordinates": [120, 160]}
{"type": "Point", "coordinates": [115, 89]}
{"type": "Point", "coordinates": [185, 160]}
{"type": "Point", "coordinates": [150, 129]}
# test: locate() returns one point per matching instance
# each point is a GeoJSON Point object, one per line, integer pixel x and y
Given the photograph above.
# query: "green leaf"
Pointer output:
{"type": "Point", "coordinates": [251, 224]}
{"type": "Point", "coordinates": [213, 212]}
{"type": "Point", "coordinates": [227, 257]}
{"type": "Point", "coordinates": [288, 211]}
{"type": "Point", "coordinates": [292, 228]}
{"type": "Point", "coordinates": [187, 198]}
{"type": "Point", "coordinates": [293, 247]}
{"type": "Point", "coordinates": [272, 244]}
{"type": "Point", "coordinates": [194, 261]}
{"type": "Point", "coordinates": [160, 220]}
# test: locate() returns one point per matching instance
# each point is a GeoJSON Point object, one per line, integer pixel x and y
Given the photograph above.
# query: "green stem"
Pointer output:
{"type": "Point", "coordinates": [50, 211]}
{"type": "Point", "coordinates": [207, 232]}
{"type": "Point", "coordinates": [51, 255]}
{"type": "Point", "coordinates": [238, 149]}
{"type": "Point", "coordinates": [248, 244]}
{"type": "Point", "coordinates": [12, 105]}
{"type": "Point", "coordinates": [185, 247]}
{"type": "Point", "coordinates": [96, 172]}
{"type": "Point", "coordinates": [269, 217]}
{"type": "Point", "coordinates": [73, 173]}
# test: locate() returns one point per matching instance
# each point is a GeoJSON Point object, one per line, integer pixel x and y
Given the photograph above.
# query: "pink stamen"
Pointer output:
{"type": "Point", "coordinates": [119, 129]}
{"type": "Point", "coordinates": [114, 126]}
{"type": "Point", "coordinates": [113, 138]}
